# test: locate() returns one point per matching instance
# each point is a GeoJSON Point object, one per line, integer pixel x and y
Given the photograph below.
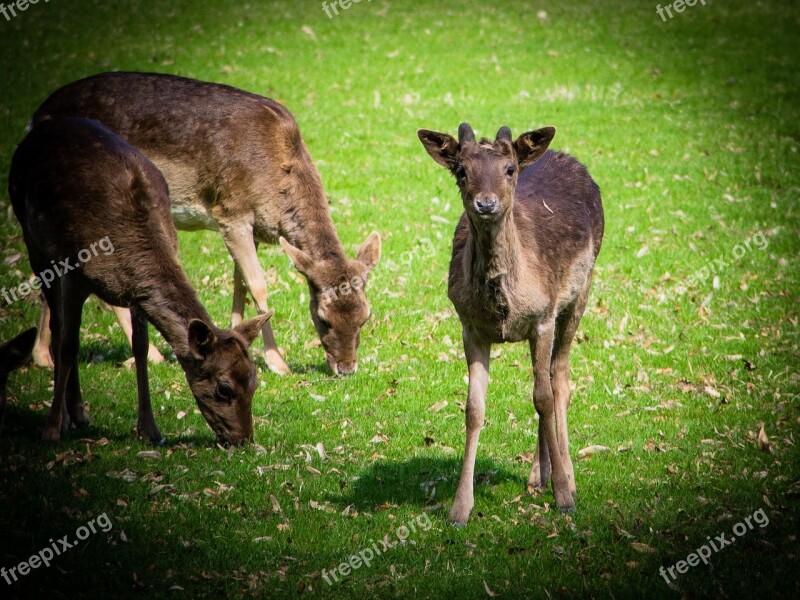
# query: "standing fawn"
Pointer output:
{"type": "Point", "coordinates": [14, 354]}
{"type": "Point", "coordinates": [236, 162]}
{"type": "Point", "coordinates": [523, 257]}
{"type": "Point", "coordinates": [72, 183]}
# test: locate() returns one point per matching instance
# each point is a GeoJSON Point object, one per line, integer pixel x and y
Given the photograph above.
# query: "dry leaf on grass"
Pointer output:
{"type": "Point", "coordinates": [643, 548]}
{"type": "Point", "coordinates": [593, 449]}
{"type": "Point", "coordinates": [763, 441]}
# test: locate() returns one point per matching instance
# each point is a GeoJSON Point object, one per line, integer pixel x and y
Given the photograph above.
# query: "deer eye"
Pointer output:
{"type": "Point", "coordinates": [461, 172]}
{"type": "Point", "coordinates": [324, 322]}
{"type": "Point", "coordinates": [510, 170]}
{"type": "Point", "coordinates": [225, 392]}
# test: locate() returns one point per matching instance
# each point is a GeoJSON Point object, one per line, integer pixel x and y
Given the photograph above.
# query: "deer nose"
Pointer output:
{"type": "Point", "coordinates": [346, 368]}
{"type": "Point", "coordinates": [486, 205]}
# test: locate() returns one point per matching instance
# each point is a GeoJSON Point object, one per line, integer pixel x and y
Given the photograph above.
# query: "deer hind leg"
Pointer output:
{"type": "Point", "coordinates": [478, 362]}
{"type": "Point", "coordinates": [123, 316]}
{"type": "Point", "coordinates": [65, 324]}
{"type": "Point", "coordinates": [242, 248]}
{"type": "Point", "coordinates": [41, 349]}
{"type": "Point", "coordinates": [565, 333]}
{"type": "Point", "coordinates": [239, 296]}
{"type": "Point", "coordinates": [544, 401]}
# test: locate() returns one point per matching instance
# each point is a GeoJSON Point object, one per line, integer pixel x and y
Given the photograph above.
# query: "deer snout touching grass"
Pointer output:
{"type": "Point", "coordinates": [72, 182]}
{"type": "Point", "coordinates": [523, 256]}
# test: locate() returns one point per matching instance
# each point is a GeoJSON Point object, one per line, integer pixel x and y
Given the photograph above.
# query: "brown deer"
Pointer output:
{"type": "Point", "coordinates": [236, 162]}
{"type": "Point", "coordinates": [14, 354]}
{"type": "Point", "coordinates": [522, 263]}
{"type": "Point", "coordinates": [73, 182]}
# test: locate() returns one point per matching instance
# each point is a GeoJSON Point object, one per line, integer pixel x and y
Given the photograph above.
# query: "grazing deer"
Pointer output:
{"type": "Point", "coordinates": [13, 355]}
{"type": "Point", "coordinates": [523, 257]}
{"type": "Point", "coordinates": [73, 182]}
{"type": "Point", "coordinates": [236, 162]}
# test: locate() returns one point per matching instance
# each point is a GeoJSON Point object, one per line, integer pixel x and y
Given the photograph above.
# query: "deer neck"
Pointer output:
{"type": "Point", "coordinates": [493, 251]}
{"type": "Point", "coordinates": [171, 304]}
{"type": "Point", "coordinates": [307, 222]}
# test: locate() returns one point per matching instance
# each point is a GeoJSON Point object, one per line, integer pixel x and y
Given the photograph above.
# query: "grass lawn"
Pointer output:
{"type": "Point", "coordinates": [689, 344]}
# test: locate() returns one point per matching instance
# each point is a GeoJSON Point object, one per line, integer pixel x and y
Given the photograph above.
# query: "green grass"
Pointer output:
{"type": "Point", "coordinates": [689, 126]}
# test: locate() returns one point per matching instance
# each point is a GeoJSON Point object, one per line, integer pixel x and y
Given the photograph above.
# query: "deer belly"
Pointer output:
{"type": "Point", "coordinates": [192, 218]}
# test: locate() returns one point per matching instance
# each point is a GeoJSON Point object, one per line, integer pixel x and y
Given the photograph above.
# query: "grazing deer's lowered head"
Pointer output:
{"type": "Point", "coordinates": [13, 355]}
{"type": "Point", "coordinates": [338, 302]}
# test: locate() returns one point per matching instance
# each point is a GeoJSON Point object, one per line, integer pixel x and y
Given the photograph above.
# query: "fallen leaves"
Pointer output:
{"type": "Point", "coordinates": [593, 449]}
{"type": "Point", "coordinates": [643, 548]}
{"type": "Point", "coordinates": [762, 439]}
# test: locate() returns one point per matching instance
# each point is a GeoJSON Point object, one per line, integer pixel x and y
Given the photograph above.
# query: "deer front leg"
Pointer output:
{"type": "Point", "coordinates": [540, 470]}
{"type": "Point", "coordinates": [41, 349]}
{"type": "Point", "coordinates": [146, 422]}
{"type": "Point", "coordinates": [478, 362]}
{"type": "Point", "coordinates": [123, 316]}
{"type": "Point", "coordinates": [242, 248]}
{"type": "Point", "coordinates": [541, 351]}
{"type": "Point", "coordinates": [75, 407]}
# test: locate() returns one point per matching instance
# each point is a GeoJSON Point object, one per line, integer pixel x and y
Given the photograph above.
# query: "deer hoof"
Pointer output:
{"type": "Point", "coordinates": [154, 356]}
{"type": "Point", "coordinates": [275, 363]}
{"type": "Point", "coordinates": [42, 358]}
{"type": "Point", "coordinates": [459, 515]}
{"type": "Point", "coordinates": [565, 501]}
{"type": "Point", "coordinates": [51, 435]}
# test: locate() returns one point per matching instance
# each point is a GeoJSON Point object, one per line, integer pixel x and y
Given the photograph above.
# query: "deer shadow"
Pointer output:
{"type": "Point", "coordinates": [422, 481]}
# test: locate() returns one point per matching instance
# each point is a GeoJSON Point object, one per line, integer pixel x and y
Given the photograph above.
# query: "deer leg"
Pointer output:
{"type": "Point", "coordinates": [567, 326]}
{"type": "Point", "coordinates": [540, 470]}
{"type": "Point", "coordinates": [239, 296]}
{"type": "Point", "coordinates": [41, 349]}
{"type": "Point", "coordinates": [65, 323]}
{"type": "Point", "coordinates": [75, 407]}
{"type": "Point", "coordinates": [243, 250]}
{"type": "Point", "coordinates": [123, 316]}
{"type": "Point", "coordinates": [542, 351]}
{"type": "Point", "coordinates": [146, 422]}
{"type": "Point", "coordinates": [478, 362]}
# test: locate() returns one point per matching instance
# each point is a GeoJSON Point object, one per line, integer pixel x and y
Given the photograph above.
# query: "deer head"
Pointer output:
{"type": "Point", "coordinates": [222, 376]}
{"type": "Point", "coordinates": [338, 304]}
{"type": "Point", "coordinates": [13, 355]}
{"type": "Point", "coordinates": [486, 172]}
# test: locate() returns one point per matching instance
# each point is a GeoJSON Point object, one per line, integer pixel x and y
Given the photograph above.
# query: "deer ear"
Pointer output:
{"type": "Point", "coordinates": [531, 145]}
{"type": "Point", "coordinates": [15, 353]}
{"type": "Point", "coordinates": [250, 329]}
{"type": "Point", "coordinates": [369, 252]}
{"type": "Point", "coordinates": [302, 261]}
{"type": "Point", "coordinates": [201, 339]}
{"type": "Point", "coordinates": [442, 148]}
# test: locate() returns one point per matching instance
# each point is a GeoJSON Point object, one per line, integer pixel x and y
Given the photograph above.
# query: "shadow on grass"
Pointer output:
{"type": "Point", "coordinates": [421, 481]}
